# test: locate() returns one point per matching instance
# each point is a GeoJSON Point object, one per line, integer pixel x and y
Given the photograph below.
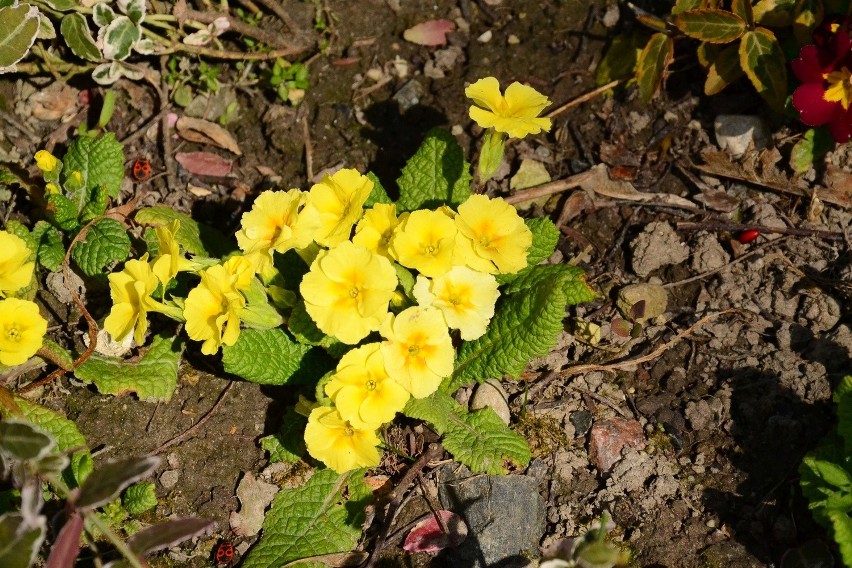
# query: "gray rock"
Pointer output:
{"type": "Point", "coordinates": [504, 515]}
{"type": "Point", "coordinates": [490, 394]}
{"type": "Point", "coordinates": [734, 133]}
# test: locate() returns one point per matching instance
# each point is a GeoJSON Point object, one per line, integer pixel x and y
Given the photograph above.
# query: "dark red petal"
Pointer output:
{"type": "Point", "coordinates": [840, 45]}
{"type": "Point", "coordinates": [807, 66]}
{"type": "Point", "coordinates": [840, 125]}
{"type": "Point", "coordinates": [813, 109]}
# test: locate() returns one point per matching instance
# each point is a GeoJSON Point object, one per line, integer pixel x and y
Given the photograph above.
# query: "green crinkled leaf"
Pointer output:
{"type": "Point", "coordinates": [105, 242]}
{"type": "Point", "coordinates": [67, 437]}
{"type": "Point", "coordinates": [483, 443]}
{"type": "Point", "coordinates": [434, 409]}
{"type": "Point", "coordinates": [763, 61]}
{"type": "Point", "coordinates": [100, 161]}
{"type": "Point", "coordinates": [378, 195]}
{"type": "Point", "coordinates": [652, 64]}
{"type": "Point", "coordinates": [711, 25]}
{"type": "Point", "coordinates": [18, 31]}
{"type": "Point", "coordinates": [288, 445]}
{"type": "Point", "coordinates": [139, 498]}
{"type": "Point", "coordinates": [437, 174]}
{"type": "Point", "coordinates": [118, 38]}
{"type": "Point", "coordinates": [153, 377]}
{"type": "Point", "coordinates": [724, 70]}
{"type": "Point", "coordinates": [843, 398]}
{"type": "Point", "coordinates": [51, 251]}
{"type": "Point", "coordinates": [189, 233]}
{"type": "Point", "coordinates": [62, 211]}
{"type": "Point", "coordinates": [323, 517]}
{"type": "Point", "coordinates": [812, 146]}
{"type": "Point", "coordinates": [75, 29]}
{"type": "Point", "coordinates": [264, 356]}
{"type": "Point", "coordinates": [526, 325]}
{"type": "Point", "coordinates": [841, 524]}
{"type": "Point", "coordinates": [545, 238]}
{"type": "Point", "coordinates": [95, 206]}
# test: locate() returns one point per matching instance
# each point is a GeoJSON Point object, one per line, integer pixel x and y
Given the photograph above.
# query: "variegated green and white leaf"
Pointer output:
{"type": "Point", "coordinates": [118, 38]}
{"type": "Point", "coordinates": [19, 27]}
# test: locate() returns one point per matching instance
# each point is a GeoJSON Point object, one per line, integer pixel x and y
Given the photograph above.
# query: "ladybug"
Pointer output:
{"type": "Point", "coordinates": [224, 552]}
{"type": "Point", "coordinates": [141, 169]}
{"type": "Point", "coordinates": [747, 236]}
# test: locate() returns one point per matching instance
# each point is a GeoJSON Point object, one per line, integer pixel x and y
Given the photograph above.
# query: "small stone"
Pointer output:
{"type": "Point", "coordinates": [608, 438]}
{"type": "Point", "coordinates": [581, 420]}
{"type": "Point", "coordinates": [655, 297]}
{"type": "Point", "coordinates": [735, 132]}
{"type": "Point", "coordinates": [513, 39]}
{"type": "Point", "coordinates": [409, 95]}
{"type": "Point", "coordinates": [490, 394]}
{"type": "Point", "coordinates": [485, 37]}
{"type": "Point", "coordinates": [169, 478]}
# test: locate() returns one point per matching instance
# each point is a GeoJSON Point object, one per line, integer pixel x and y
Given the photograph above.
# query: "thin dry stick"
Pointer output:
{"type": "Point", "coordinates": [549, 188]}
{"type": "Point", "coordinates": [432, 451]}
{"type": "Point", "coordinates": [703, 275]}
{"type": "Point", "coordinates": [626, 364]}
{"type": "Point", "coordinates": [93, 326]}
{"type": "Point", "coordinates": [182, 12]}
{"type": "Point", "coordinates": [187, 433]}
{"type": "Point", "coordinates": [309, 147]}
{"type": "Point", "coordinates": [718, 225]}
{"type": "Point", "coordinates": [583, 98]}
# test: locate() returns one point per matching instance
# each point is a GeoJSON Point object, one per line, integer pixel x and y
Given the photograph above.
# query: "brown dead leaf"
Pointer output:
{"type": "Point", "coordinates": [431, 33]}
{"type": "Point", "coordinates": [54, 102]}
{"type": "Point", "coordinates": [601, 183]}
{"type": "Point", "coordinates": [206, 132]}
{"type": "Point", "coordinates": [204, 163]}
{"type": "Point", "coordinates": [839, 190]}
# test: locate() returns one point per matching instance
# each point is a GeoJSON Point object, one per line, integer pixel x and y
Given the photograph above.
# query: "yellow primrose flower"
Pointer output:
{"type": "Point", "coordinates": [271, 225]}
{"type": "Point", "coordinates": [516, 113]}
{"type": "Point", "coordinates": [375, 229]}
{"type": "Point", "coordinates": [169, 260]}
{"type": "Point", "coordinates": [496, 234]}
{"type": "Point", "coordinates": [51, 189]}
{"type": "Point", "coordinates": [334, 205]}
{"type": "Point", "coordinates": [212, 309]}
{"type": "Point", "coordinates": [347, 291]}
{"type": "Point", "coordinates": [337, 443]}
{"type": "Point", "coordinates": [465, 297]}
{"type": "Point", "coordinates": [131, 291]}
{"type": "Point", "coordinates": [15, 271]}
{"type": "Point", "coordinates": [22, 330]}
{"type": "Point", "coordinates": [362, 391]}
{"type": "Point", "coordinates": [46, 161]}
{"type": "Point", "coordinates": [418, 352]}
{"type": "Point", "coordinates": [425, 241]}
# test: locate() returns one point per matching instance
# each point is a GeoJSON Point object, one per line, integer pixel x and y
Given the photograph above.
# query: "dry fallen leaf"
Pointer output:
{"type": "Point", "coordinates": [55, 102]}
{"type": "Point", "coordinates": [204, 163]}
{"type": "Point", "coordinates": [600, 183]}
{"type": "Point", "coordinates": [431, 33]}
{"type": "Point", "coordinates": [429, 535]}
{"type": "Point", "coordinates": [206, 132]}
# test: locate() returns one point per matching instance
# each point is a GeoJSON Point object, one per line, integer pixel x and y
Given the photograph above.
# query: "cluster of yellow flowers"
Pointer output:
{"type": "Point", "coordinates": [22, 327]}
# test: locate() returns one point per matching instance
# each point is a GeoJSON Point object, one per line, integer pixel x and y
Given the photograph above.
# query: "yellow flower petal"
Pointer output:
{"type": "Point", "coordinates": [334, 205]}
{"type": "Point", "coordinates": [339, 444]}
{"type": "Point", "coordinates": [425, 241]}
{"type": "Point", "coordinates": [465, 298]}
{"type": "Point", "coordinates": [15, 271]}
{"type": "Point", "coordinates": [22, 330]}
{"type": "Point", "coordinates": [515, 114]}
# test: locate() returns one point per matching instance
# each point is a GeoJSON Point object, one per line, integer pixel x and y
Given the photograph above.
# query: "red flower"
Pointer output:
{"type": "Point", "coordinates": [825, 95]}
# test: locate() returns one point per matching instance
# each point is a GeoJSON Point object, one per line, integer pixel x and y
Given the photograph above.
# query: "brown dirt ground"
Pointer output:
{"type": "Point", "coordinates": [728, 414]}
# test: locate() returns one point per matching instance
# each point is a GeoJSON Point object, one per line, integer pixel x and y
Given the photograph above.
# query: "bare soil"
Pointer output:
{"type": "Point", "coordinates": [727, 413]}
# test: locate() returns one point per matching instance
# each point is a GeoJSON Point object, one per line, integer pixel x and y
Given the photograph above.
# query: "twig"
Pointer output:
{"type": "Point", "coordinates": [432, 451]}
{"type": "Point", "coordinates": [148, 124]}
{"type": "Point", "coordinates": [282, 14]}
{"type": "Point", "coordinates": [726, 266]}
{"type": "Point", "coordinates": [309, 147]}
{"type": "Point", "coordinates": [719, 225]}
{"type": "Point", "coordinates": [550, 188]}
{"type": "Point", "coordinates": [181, 437]}
{"type": "Point", "coordinates": [628, 363]}
{"type": "Point", "coordinates": [583, 98]}
{"type": "Point", "coordinates": [93, 326]}
{"type": "Point", "coordinates": [182, 12]}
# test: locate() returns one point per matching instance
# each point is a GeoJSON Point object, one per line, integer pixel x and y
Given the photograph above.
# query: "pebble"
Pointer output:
{"type": "Point", "coordinates": [608, 438]}
{"type": "Point", "coordinates": [491, 394]}
{"type": "Point", "coordinates": [655, 297]}
{"type": "Point", "coordinates": [485, 37]}
{"type": "Point", "coordinates": [735, 132]}
{"type": "Point", "coordinates": [169, 478]}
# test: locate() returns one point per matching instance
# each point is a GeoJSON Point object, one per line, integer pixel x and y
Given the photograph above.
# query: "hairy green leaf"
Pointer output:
{"type": "Point", "coordinates": [774, 13]}
{"type": "Point", "coordinates": [482, 442]}
{"type": "Point", "coordinates": [51, 251]}
{"type": "Point", "coordinates": [435, 409]}
{"type": "Point", "coordinates": [188, 234]}
{"type": "Point", "coordinates": [153, 377]}
{"type": "Point", "coordinates": [712, 25]}
{"type": "Point", "coordinates": [437, 174]}
{"type": "Point", "coordinates": [100, 161]}
{"type": "Point", "coordinates": [104, 243]}
{"type": "Point", "coordinates": [724, 70]}
{"type": "Point", "coordinates": [75, 29]}
{"type": "Point", "coordinates": [545, 238]}
{"type": "Point", "coordinates": [264, 356]}
{"type": "Point", "coordinates": [378, 195]}
{"type": "Point", "coordinates": [841, 523]}
{"type": "Point", "coordinates": [67, 437]}
{"type": "Point", "coordinates": [763, 62]}
{"type": "Point", "coordinates": [18, 31]}
{"type": "Point", "coordinates": [139, 498]}
{"type": "Point", "coordinates": [653, 61]}
{"type": "Point", "coordinates": [288, 444]}
{"type": "Point", "coordinates": [323, 517]}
